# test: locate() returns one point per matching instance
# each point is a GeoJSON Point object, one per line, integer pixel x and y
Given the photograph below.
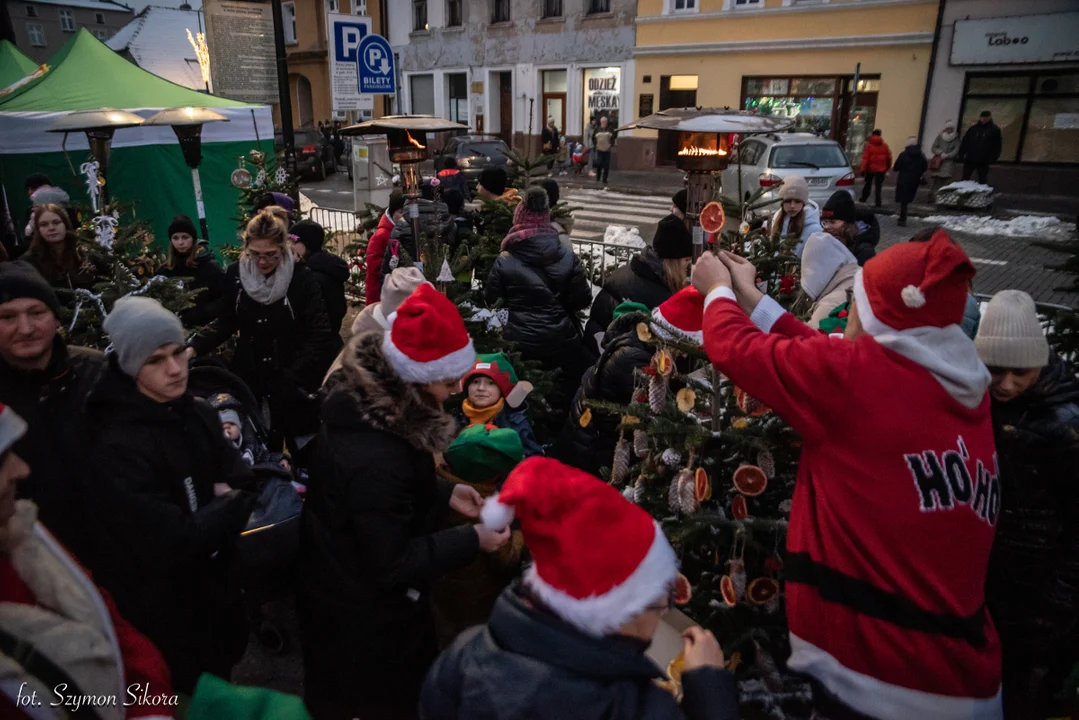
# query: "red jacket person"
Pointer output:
{"type": "Point", "coordinates": [897, 495]}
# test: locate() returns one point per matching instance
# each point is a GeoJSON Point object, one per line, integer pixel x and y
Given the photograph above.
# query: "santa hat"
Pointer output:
{"type": "Point", "coordinates": [681, 316]}
{"type": "Point", "coordinates": [598, 559]}
{"type": "Point", "coordinates": [12, 428]}
{"type": "Point", "coordinates": [427, 340]}
{"type": "Point", "coordinates": [914, 285]}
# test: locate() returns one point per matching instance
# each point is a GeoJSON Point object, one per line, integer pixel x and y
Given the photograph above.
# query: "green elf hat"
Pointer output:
{"type": "Point", "coordinates": [482, 452]}
{"type": "Point", "coordinates": [629, 306]}
{"type": "Point", "coordinates": [497, 367]}
{"type": "Point", "coordinates": [215, 698]}
{"type": "Point", "coordinates": [836, 322]}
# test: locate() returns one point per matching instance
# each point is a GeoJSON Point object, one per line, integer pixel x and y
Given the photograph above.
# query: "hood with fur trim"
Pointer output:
{"type": "Point", "coordinates": [365, 391]}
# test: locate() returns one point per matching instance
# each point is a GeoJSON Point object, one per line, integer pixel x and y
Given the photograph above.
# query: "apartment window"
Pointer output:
{"type": "Point", "coordinates": [682, 5]}
{"type": "Point", "coordinates": [500, 11]}
{"type": "Point", "coordinates": [31, 11]}
{"type": "Point", "coordinates": [596, 7]}
{"type": "Point", "coordinates": [334, 6]}
{"type": "Point", "coordinates": [288, 19]}
{"type": "Point", "coordinates": [99, 18]}
{"type": "Point", "coordinates": [458, 94]}
{"type": "Point", "coordinates": [67, 21]}
{"type": "Point", "coordinates": [552, 8]}
{"type": "Point", "coordinates": [37, 34]}
{"type": "Point", "coordinates": [101, 35]}
{"type": "Point", "coordinates": [454, 16]}
{"type": "Point", "coordinates": [423, 94]}
{"type": "Point", "coordinates": [419, 15]}
{"type": "Point", "coordinates": [746, 3]}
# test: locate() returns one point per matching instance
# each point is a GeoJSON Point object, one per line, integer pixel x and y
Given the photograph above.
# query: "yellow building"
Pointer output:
{"type": "Point", "coordinates": [784, 57]}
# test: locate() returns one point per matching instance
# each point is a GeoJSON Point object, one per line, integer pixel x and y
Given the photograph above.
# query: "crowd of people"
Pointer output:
{"type": "Point", "coordinates": [931, 567]}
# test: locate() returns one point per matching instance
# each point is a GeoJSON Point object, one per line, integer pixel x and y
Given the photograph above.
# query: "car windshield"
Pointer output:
{"type": "Point", "coordinates": [492, 150]}
{"type": "Point", "coordinates": [808, 156]}
{"type": "Point", "coordinates": [306, 137]}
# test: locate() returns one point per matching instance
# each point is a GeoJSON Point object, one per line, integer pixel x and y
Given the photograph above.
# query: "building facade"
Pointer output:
{"type": "Point", "coordinates": [157, 41]}
{"type": "Point", "coordinates": [506, 66]}
{"type": "Point", "coordinates": [1018, 59]}
{"type": "Point", "coordinates": [839, 68]}
{"type": "Point", "coordinates": [41, 27]}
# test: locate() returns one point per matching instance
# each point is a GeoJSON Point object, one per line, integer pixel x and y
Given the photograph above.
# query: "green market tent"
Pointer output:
{"type": "Point", "coordinates": [14, 66]}
{"type": "Point", "coordinates": [146, 166]}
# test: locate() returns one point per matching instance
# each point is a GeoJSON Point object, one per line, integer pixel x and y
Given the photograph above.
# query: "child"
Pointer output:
{"type": "Point", "coordinates": [797, 214]}
{"type": "Point", "coordinates": [242, 434]}
{"type": "Point", "coordinates": [495, 397]}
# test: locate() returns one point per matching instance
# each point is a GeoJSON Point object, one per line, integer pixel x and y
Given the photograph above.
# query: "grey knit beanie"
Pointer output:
{"type": "Point", "coordinates": [138, 326]}
{"type": "Point", "coordinates": [1010, 335]}
{"type": "Point", "coordinates": [794, 187]}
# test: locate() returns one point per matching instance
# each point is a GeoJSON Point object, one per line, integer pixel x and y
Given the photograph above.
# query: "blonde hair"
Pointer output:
{"type": "Point", "coordinates": [674, 273]}
{"type": "Point", "coordinates": [269, 223]}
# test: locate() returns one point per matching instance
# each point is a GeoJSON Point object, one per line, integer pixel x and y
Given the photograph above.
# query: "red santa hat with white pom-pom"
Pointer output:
{"type": "Point", "coordinates": [914, 285]}
{"type": "Point", "coordinates": [427, 340]}
{"type": "Point", "coordinates": [598, 559]}
{"type": "Point", "coordinates": [681, 315]}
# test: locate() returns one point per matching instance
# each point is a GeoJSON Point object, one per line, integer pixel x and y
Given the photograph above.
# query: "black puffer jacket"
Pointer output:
{"type": "Point", "coordinates": [542, 284]}
{"type": "Point", "coordinates": [865, 244]}
{"type": "Point", "coordinates": [527, 663]}
{"type": "Point", "coordinates": [640, 281]}
{"type": "Point", "coordinates": [610, 379]}
{"type": "Point", "coordinates": [156, 465]}
{"type": "Point", "coordinates": [435, 219]}
{"type": "Point", "coordinates": [1033, 583]}
{"type": "Point", "coordinates": [371, 543]}
{"type": "Point", "coordinates": [981, 143]}
{"type": "Point", "coordinates": [207, 277]}
{"type": "Point", "coordinates": [283, 350]}
{"type": "Point", "coordinates": [911, 166]}
{"type": "Point", "coordinates": [331, 272]}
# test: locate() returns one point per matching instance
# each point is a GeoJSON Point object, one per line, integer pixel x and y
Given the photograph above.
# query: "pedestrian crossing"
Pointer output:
{"type": "Point", "coordinates": [597, 209]}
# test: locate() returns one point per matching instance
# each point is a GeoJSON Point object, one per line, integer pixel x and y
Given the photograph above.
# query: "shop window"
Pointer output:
{"type": "Point", "coordinates": [288, 19]}
{"type": "Point", "coordinates": [554, 98]}
{"type": "Point", "coordinates": [596, 7]}
{"type": "Point", "coordinates": [602, 94]}
{"type": "Point", "coordinates": [67, 21]}
{"type": "Point", "coordinates": [454, 16]}
{"type": "Point", "coordinates": [457, 84]}
{"type": "Point", "coordinates": [36, 34]}
{"type": "Point", "coordinates": [1057, 85]}
{"type": "Point", "coordinates": [999, 85]}
{"type": "Point", "coordinates": [1052, 131]}
{"type": "Point", "coordinates": [422, 88]}
{"type": "Point", "coordinates": [500, 11]}
{"type": "Point", "coordinates": [419, 15]}
{"type": "Point", "coordinates": [552, 8]}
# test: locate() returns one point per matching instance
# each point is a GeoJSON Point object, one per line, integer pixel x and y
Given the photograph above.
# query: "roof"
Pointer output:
{"type": "Point", "coordinates": [14, 66]}
{"type": "Point", "coordinates": [85, 75]}
{"type": "Point", "coordinates": [105, 5]}
{"type": "Point", "coordinates": [156, 40]}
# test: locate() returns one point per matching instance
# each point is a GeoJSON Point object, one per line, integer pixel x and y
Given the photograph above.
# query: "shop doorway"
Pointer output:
{"type": "Point", "coordinates": [853, 128]}
{"type": "Point", "coordinates": [505, 107]}
{"type": "Point", "coordinates": [554, 99]}
{"type": "Point", "coordinates": [675, 91]}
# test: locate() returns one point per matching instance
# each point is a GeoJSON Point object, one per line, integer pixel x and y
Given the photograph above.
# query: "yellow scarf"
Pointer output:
{"type": "Point", "coordinates": [481, 416]}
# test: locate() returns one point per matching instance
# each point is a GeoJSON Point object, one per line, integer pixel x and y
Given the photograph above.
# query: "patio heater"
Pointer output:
{"type": "Point", "coordinates": [407, 139]}
{"type": "Point", "coordinates": [99, 126]}
{"type": "Point", "coordinates": [705, 148]}
{"type": "Point", "coordinates": [187, 123]}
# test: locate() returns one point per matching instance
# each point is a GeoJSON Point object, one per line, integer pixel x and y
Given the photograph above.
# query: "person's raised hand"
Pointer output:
{"type": "Point", "coordinates": [743, 279]}
{"type": "Point", "coordinates": [492, 540]}
{"type": "Point", "coordinates": [709, 273]}
{"type": "Point", "coordinates": [701, 649]}
{"type": "Point", "coordinates": [466, 500]}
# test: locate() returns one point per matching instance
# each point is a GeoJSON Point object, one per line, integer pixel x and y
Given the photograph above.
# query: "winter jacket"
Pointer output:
{"type": "Point", "coordinates": [948, 150]}
{"type": "Point", "coordinates": [514, 419]}
{"type": "Point", "coordinates": [893, 511]}
{"type": "Point", "coordinates": [371, 544]}
{"type": "Point", "coordinates": [981, 143]}
{"type": "Point", "coordinates": [603, 140]}
{"type": "Point", "coordinates": [1033, 585]}
{"type": "Point", "coordinates": [156, 465]}
{"type": "Point", "coordinates": [641, 280]}
{"type": "Point", "coordinates": [972, 317]}
{"type": "Point", "coordinates": [331, 273]}
{"type": "Point", "coordinates": [282, 350]}
{"type": "Point", "coordinates": [57, 446]}
{"type": "Point", "coordinates": [543, 286]}
{"type": "Point", "coordinates": [527, 663]}
{"type": "Point", "coordinates": [812, 224]}
{"type": "Point", "coordinates": [837, 291]}
{"type": "Point", "coordinates": [207, 277]}
{"type": "Point", "coordinates": [552, 141]}
{"type": "Point", "coordinates": [435, 219]}
{"type": "Point", "coordinates": [865, 243]}
{"type": "Point", "coordinates": [376, 251]}
{"type": "Point", "coordinates": [611, 379]}
{"type": "Point", "coordinates": [84, 275]}
{"type": "Point", "coordinates": [877, 156]}
{"type": "Point", "coordinates": [51, 603]}
{"type": "Point", "coordinates": [911, 166]}
{"type": "Point", "coordinates": [452, 178]}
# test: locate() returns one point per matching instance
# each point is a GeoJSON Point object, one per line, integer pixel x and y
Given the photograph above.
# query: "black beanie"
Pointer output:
{"type": "Point", "coordinates": [553, 191]}
{"type": "Point", "coordinates": [839, 207]}
{"type": "Point", "coordinates": [182, 223]}
{"type": "Point", "coordinates": [20, 279]}
{"type": "Point", "coordinates": [494, 180]}
{"type": "Point", "coordinates": [679, 200]}
{"type": "Point", "coordinates": [309, 233]}
{"type": "Point", "coordinates": [673, 239]}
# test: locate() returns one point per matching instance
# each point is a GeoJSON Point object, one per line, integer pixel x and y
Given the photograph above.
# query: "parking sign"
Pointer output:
{"type": "Point", "coordinates": [375, 66]}
{"type": "Point", "coordinates": [346, 32]}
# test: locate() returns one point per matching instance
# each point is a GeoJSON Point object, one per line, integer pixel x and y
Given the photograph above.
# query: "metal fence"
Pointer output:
{"type": "Point", "coordinates": [343, 226]}
{"type": "Point", "coordinates": [600, 258]}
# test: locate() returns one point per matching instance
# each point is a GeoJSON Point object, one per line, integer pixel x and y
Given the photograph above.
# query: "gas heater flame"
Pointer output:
{"type": "Point", "coordinates": [414, 141]}
{"type": "Point", "coordinates": [694, 151]}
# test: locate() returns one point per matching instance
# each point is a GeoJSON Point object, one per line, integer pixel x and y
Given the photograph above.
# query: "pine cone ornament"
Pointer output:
{"type": "Point", "coordinates": [767, 463]}
{"type": "Point", "coordinates": [638, 491]}
{"type": "Point", "coordinates": [640, 444]}
{"type": "Point", "coordinates": [671, 458]}
{"type": "Point", "coordinates": [620, 466]}
{"type": "Point", "coordinates": [628, 492]}
{"type": "Point", "coordinates": [657, 393]}
{"type": "Point", "coordinates": [674, 493]}
{"type": "Point", "coordinates": [738, 577]}
{"type": "Point", "coordinates": [688, 494]}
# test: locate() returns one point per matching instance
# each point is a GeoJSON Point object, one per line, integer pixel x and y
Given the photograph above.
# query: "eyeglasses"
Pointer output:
{"type": "Point", "coordinates": [267, 257]}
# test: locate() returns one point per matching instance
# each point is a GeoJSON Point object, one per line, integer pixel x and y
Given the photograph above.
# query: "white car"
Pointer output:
{"type": "Point", "coordinates": [768, 159]}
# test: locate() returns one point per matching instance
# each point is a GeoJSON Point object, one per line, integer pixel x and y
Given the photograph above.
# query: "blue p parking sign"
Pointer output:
{"type": "Point", "coordinates": [375, 68]}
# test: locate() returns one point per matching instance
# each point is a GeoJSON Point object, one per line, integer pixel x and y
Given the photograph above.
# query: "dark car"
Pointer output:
{"type": "Point", "coordinates": [314, 153]}
{"type": "Point", "coordinates": [474, 153]}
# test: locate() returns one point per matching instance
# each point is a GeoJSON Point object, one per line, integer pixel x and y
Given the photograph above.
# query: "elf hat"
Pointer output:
{"type": "Point", "coordinates": [599, 560]}
{"type": "Point", "coordinates": [483, 452]}
{"type": "Point", "coordinates": [914, 285]}
{"type": "Point", "coordinates": [427, 340]}
{"type": "Point", "coordinates": [681, 316]}
{"type": "Point", "coordinates": [497, 367]}
{"type": "Point", "coordinates": [12, 427]}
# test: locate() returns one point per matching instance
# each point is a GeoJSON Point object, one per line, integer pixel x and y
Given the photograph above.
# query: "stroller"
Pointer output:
{"type": "Point", "coordinates": [267, 549]}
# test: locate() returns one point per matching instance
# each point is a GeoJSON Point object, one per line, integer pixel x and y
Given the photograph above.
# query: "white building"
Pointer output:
{"type": "Point", "coordinates": [157, 41]}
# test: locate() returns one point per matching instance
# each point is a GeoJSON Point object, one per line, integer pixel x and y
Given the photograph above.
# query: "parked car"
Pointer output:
{"type": "Point", "coordinates": [474, 153]}
{"type": "Point", "coordinates": [768, 159]}
{"type": "Point", "coordinates": [314, 153]}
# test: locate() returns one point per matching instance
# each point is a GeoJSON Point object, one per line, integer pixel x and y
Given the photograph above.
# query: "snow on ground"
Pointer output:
{"type": "Point", "coordinates": [1035, 226]}
{"type": "Point", "coordinates": [624, 236]}
{"type": "Point", "coordinates": [967, 187]}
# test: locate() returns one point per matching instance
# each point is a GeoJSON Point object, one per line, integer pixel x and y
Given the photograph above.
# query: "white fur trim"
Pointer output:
{"type": "Point", "coordinates": [448, 367]}
{"type": "Point", "coordinates": [600, 614]}
{"type": "Point", "coordinates": [880, 699]}
{"type": "Point", "coordinates": [496, 515]}
{"type": "Point", "coordinates": [913, 297]}
{"type": "Point", "coordinates": [722, 291]}
{"type": "Point", "coordinates": [390, 318]}
{"type": "Point", "coordinates": [667, 331]}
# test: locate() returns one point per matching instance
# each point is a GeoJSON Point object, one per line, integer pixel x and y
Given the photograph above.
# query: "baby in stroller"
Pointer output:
{"type": "Point", "coordinates": [242, 431]}
{"type": "Point", "coordinates": [579, 158]}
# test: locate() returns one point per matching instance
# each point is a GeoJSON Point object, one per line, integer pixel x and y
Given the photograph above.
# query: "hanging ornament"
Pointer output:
{"type": "Point", "coordinates": [750, 480]}
{"type": "Point", "coordinates": [737, 572]}
{"type": "Point", "coordinates": [631, 420]}
{"type": "Point", "coordinates": [643, 333]}
{"type": "Point", "coordinates": [640, 443]}
{"type": "Point", "coordinates": [620, 465]}
{"type": "Point", "coordinates": [683, 590]}
{"type": "Point", "coordinates": [767, 463]}
{"type": "Point", "coordinates": [774, 562]}
{"type": "Point", "coordinates": [93, 184]}
{"type": "Point", "coordinates": [257, 156]}
{"type": "Point", "coordinates": [750, 405]}
{"type": "Point", "coordinates": [744, 228]}
{"type": "Point", "coordinates": [627, 493]}
{"type": "Point", "coordinates": [739, 510]}
{"type": "Point", "coordinates": [686, 399]}
{"type": "Point", "coordinates": [105, 230]}
{"type": "Point", "coordinates": [671, 457]}
{"type": "Point", "coordinates": [702, 485]}
{"type": "Point", "coordinates": [445, 274]}
{"type": "Point", "coordinates": [638, 490]}
{"type": "Point", "coordinates": [260, 179]}
{"type": "Point", "coordinates": [657, 393]}
{"type": "Point", "coordinates": [586, 418]}
{"type": "Point", "coordinates": [740, 423]}
{"type": "Point", "coordinates": [688, 495]}
{"type": "Point", "coordinates": [280, 176]}
{"type": "Point", "coordinates": [663, 363]}
{"type": "Point", "coordinates": [762, 590]}
{"type": "Point", "coordinates": [674, 496]}
{"type": "Point", "coordinates": [787, 284]}
{"type": "Point", "coordinates": [726, 589]}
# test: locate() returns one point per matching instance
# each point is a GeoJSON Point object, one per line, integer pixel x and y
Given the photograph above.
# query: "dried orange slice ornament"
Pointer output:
{"type": "Point", "coordinates": [762, 590]}
{"type": "Point", "coordinates": [739, 508]}
{"type": "Point", "coordinates": [586, 418]}
{"type": "Point", "coordinates": [686, 399]}
{"type": "Point", "coordinates": [663, 363]}
{"type": "Point", "coordinates": [683, 591]}
{"type": "Point", "coordinates": [702, 485]}
{"type": "Point", "coordinates": [726, 588]}
{"type": "Point", "coordinates": [750, 480]}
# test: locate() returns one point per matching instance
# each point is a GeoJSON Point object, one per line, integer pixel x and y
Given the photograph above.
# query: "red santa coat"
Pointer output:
{"type": "Point", "coordinates": [48, 599]}
{"type": "Point", "coordinates": [892, 518]}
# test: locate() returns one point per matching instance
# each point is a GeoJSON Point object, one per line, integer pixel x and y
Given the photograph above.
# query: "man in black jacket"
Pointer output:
{"type": "Point", "coordinates": [47, 383]}
{"type": "Point", "coordinates": [980, 146]}
{"type": "Point", "coordinates": [330, 271]}
{"type": "Point", "coordinates": [1032, 588]}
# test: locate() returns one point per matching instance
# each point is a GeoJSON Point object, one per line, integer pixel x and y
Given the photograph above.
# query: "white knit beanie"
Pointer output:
{"type": "Point", "coordinates": [1010, 335]}
{"type": "Point", "coordinates": [794, 187]}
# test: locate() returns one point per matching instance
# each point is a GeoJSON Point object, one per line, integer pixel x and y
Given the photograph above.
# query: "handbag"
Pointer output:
{"type": "Point", "coordinates": [936, 161]}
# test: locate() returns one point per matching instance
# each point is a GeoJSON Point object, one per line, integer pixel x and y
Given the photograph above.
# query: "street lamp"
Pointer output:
{"type": "Point", "coordinates": [187, 123]}
{"type": "Point", "coordinates": [99, 126]}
